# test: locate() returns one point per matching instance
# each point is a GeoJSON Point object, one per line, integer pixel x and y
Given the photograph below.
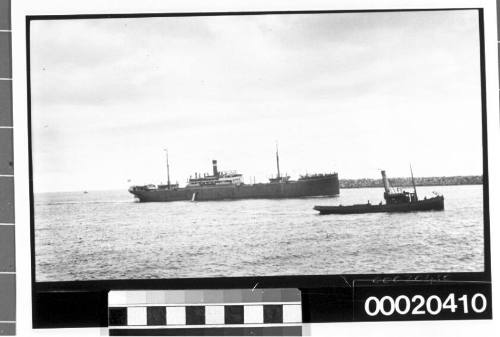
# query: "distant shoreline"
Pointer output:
{"type": "Point", "coordinates": [358, 183]}
{"type": "Point", "coordinates": [406, 182]}
{"type": "Point", "coordinates": [354, 187]}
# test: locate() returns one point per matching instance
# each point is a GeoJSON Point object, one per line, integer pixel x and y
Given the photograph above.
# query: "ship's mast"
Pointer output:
{"type": "Point", "coordinates": [413, 182]}
{"type": "Point", "coordinates": [168, 170]}
{"type": "Point", "coordinates": [278, 161]}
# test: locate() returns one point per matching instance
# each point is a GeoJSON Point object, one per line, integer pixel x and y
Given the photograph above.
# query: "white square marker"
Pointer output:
{"type": "Point", "coordinates": [214, 314]}
{"type": "Point", "coordinates": [136, 316]}
{"type": "Point", "coordinates": [253, 314]}
{"type": "Point", "coordinates": [292, 313]}
{"type": "Point", "coordinates": [117, 298]}
{"type": "Point", "coordinates": [176, 315]}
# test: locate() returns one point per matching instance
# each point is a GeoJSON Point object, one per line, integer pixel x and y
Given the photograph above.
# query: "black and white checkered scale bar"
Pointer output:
{"type": "Point", "coordinates": [269, 312]}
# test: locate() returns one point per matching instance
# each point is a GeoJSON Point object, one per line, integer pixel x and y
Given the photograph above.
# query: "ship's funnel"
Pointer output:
{"type": "Point", "coordinates": [214, 164]}
{"type": "Point", "coordinates": [386, 182]}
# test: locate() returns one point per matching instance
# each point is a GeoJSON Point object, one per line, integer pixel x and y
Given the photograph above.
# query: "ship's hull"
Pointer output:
{"type": "Point", "coordinates": [431, 204]}
{"type": "Point", "coordinates": [321, 186]}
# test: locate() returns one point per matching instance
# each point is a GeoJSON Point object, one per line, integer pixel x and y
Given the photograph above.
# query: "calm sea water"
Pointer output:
{"type": "Point", "coordinates": [106, 235]}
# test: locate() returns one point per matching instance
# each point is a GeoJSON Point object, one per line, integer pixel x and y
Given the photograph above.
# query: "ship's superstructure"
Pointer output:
{"type": "Point", "coordinates": [229, 185]}
{"type": "Point", "coordinates": [217, 178]}
{"type": "Point", "coordinates": [397, 195]}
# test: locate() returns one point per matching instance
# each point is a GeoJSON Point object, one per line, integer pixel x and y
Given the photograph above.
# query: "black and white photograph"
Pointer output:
{"type": "Point", "coordinates": [270, 144]}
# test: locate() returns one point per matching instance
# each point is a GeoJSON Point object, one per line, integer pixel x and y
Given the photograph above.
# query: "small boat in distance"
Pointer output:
{"type": "Point", "coordinates": [396, 200]}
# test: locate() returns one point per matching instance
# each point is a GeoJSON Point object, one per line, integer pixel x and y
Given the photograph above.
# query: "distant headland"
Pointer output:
{"type": "Point", "coordinates": [406, 181]}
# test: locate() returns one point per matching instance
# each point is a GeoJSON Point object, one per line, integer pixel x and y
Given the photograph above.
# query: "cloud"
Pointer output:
{"type": "Point", "coordinates": [117, 91]}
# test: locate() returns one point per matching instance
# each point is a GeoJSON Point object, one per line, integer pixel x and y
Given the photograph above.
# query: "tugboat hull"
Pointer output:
{"type": "Point", "coordinates": [431, 204]}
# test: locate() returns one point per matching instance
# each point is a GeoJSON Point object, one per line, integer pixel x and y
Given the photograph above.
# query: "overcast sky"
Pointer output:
{"type": "Point", "coordinates": [350, 93]}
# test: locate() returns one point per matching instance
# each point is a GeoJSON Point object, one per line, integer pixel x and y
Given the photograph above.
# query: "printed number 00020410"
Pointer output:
{"type": "Point", "coordinates": [419, 305]}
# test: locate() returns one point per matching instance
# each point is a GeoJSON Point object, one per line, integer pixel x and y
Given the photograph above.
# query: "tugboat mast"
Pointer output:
{"type": "Point", "coordinates": [168, 169]}
{"type": "Point", "coordinates": [413, 182]}
{"type": "Point", "coordinates": [278, 162]}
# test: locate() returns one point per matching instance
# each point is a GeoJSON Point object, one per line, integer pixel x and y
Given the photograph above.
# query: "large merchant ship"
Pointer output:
{"type": "Point", "coordinates": [230, 186]}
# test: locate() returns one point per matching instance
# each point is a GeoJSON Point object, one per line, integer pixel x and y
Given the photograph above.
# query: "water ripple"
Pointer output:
{"type": "Point", "coordinates": [105, 235]}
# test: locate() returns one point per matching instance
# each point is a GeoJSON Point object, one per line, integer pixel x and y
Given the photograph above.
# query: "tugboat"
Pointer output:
{"type": "Point", "coordinates": [396, 200]}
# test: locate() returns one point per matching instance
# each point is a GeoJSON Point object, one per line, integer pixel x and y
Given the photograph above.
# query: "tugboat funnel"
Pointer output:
{"type": "Point", "coordinates": [386, 182]}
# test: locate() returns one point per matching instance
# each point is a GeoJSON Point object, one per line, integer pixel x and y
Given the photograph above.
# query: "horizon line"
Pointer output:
{"type": "Point", "coordinates": [340, 179]}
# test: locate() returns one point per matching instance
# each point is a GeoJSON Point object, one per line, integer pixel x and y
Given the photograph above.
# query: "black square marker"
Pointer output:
{"type": "Point", "coordinates": [273, 313]}
{"type": "Point", "coordinates": [195, 315]}
{"type": "Point", "coordinates": [117, 316]}
{"type": "Point", "coordinates": [157, 315]}
{"type": "Point", "coordinates": [233, 314]}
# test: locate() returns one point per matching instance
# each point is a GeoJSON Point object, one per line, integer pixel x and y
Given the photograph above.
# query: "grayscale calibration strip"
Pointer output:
{"type": "Point", "coordinates": [7, 249]}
